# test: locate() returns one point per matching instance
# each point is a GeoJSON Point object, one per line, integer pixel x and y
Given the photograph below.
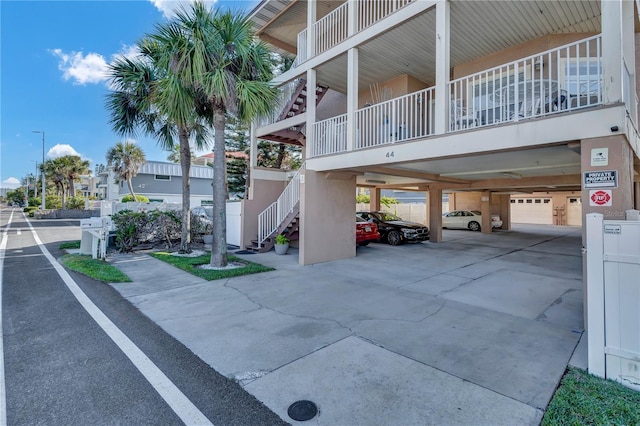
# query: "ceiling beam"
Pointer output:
{"type": "Point", "coordinates": [279, 43]}
{"type": "Point", "coordinates": [525, 182]}
{"type": "Point", "coordinates": [415, 174]}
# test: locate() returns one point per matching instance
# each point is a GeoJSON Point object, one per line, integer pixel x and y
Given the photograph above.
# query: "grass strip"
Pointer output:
{"type": "Point", "coordinates": [70, 245]}
{"type": "Point", "coordinates": [584, 399]}
{"type": "Point", "coordinates": [190, 264]}
{"type": "Point", "coordinates": [94, 268]}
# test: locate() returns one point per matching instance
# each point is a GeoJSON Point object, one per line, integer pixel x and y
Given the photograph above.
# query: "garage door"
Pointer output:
{"type": "Point", "coordinates": [532, 210]}
{"type": "Point", "coordinates": [574, 211]}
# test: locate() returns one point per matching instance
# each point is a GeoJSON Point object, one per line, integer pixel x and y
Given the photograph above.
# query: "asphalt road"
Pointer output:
{"type": "Point", "coordinates": [61, 367]}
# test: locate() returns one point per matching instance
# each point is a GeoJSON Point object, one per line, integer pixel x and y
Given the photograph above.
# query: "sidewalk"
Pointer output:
{"type": "Point", "coordinates": [464, 336]}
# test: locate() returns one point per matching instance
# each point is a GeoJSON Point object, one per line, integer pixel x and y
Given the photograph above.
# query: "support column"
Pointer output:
{"type": "Point", "coordinates": [485, 209]}
{"type": "Point", "coordinates": [374, 199]}
{"type": "Point", "coordinates": [327, 233]}
{"type": "Point", "coordinates": [505, 211]}
{"type": "Point", "coordinates": [443, 24]}
{"type": "Point", "coordinates": [253, 158]}
{"type": "Point", "coordinates": [611, 18]}
{"type": "Point", "coordinates": [352, 96]}
{"type": "Point", "coordinates": [311, 35]}
{"type": "Point", "coordinates": [435, 215]}
{"type": "Point", "coordinates": [636, 198]}
{"type": "Point", "coordinates": [311, 109]}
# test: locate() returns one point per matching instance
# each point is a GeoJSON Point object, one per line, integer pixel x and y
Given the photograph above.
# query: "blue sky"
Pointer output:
{"type": "Point", "coordinates": [52, 60]}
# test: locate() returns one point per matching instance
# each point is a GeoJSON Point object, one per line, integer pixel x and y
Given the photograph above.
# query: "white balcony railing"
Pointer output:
{"type": "Point", "coordinates": [331, 29]}
{"type": "Point", "coordinates": [561, 79]}
{"type": "Point", "coordinates": [399, 119]}
{"type": "Point", "coordinates": [556, 81]}
{"type": "Point", "coordinates": [302, 49]}
{"type": "Point", "coordinates": [369, 12]}
{"type": "Point", "coordinates": [333, 134]}
{"type": "Point", "coordinates": [286, 93]}
{"type": "Point", "coordinates": [274, 215]}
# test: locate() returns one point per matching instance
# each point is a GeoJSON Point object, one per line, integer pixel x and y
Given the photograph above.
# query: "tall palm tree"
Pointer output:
{"type": "Point", "coordinates": [215, 56]}
{"type": "Point", "coordinates": [76, 167]}
{"type": "Point", "coordinates": [55, 170]}
{"type": "Point", "coordinates": [126, 159]}
{"type": "Point", "coordinates": [140, 85]}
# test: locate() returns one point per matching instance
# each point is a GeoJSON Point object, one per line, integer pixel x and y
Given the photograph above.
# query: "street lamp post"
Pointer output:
{"type": "Point", "coordinates": [42, 131]}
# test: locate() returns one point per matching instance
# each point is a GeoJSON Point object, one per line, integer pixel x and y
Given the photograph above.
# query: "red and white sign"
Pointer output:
{"type": "Point", "coordinates": [600, 197]}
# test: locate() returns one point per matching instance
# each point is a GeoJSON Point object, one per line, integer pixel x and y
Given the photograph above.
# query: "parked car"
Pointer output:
{"type": "Point", "coordinates": [395, 230]}
{"type": "Point", "coordinates": [468, 219]}
{"type": "Point", "coordinates": [366, 232]}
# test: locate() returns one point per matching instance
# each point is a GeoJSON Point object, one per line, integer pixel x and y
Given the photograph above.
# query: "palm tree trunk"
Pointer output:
{"type": "Point", "coordinates": [133, 194]}
{"type": "Point", "coordinates": [64, 196]}
{"type": "Point", "coordinates": [282, 149]}
{"type": "Point", "coordinates": [219, 246]}
{"type": "Point", "coordinates": [185, 163]}
{"type": "Point", "coordinates": [70, 187]}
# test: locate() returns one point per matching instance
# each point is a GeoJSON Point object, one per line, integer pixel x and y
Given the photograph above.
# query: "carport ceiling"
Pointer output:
{"type": "Point", "coordinates": [543, 168]}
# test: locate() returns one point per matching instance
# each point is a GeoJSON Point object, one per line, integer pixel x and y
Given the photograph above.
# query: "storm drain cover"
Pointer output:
{"type": "Point", "coordinates": [302, 410]}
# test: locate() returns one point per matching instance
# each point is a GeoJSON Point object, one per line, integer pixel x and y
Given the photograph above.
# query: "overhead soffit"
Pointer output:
{"type": "Point", "coordinates": [478, 28]}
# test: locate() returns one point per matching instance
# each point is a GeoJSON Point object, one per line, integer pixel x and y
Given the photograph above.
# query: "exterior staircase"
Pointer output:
{"type": "Point", "coordinates": [281, 217]}
{"type": "Point", "coordinates": [296, 105]}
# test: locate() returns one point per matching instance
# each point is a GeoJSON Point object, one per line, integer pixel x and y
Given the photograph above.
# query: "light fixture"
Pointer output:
{"type": "Point", "coordinates": [512, 175]}
{"type": "Point", "coordinates": [381, 182]}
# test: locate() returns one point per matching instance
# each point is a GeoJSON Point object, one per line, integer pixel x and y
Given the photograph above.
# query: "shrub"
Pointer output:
{"type": "Point", "coordinates": [165, 226]}
{"type": "Point", "coordinates": [387, 201]}
{"type": "Point", "coordinates": [139, 198]}
{"type": "Point", "coordinates": [53, 202]}
{"type": "Point", "coordinates": [35, 201]}
{"type": "Point", "coordinates": [129, 226]}
{"type": "Point", "coordinates": [363, 198]}
{"type": "Point", "coordinates": [75, 203]}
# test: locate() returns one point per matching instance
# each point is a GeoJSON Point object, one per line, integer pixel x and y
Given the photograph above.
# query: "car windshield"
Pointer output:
{"type": "Point", "coordinates": [387, 217]}
{"type": "Point", "coordinates": [359, 219]}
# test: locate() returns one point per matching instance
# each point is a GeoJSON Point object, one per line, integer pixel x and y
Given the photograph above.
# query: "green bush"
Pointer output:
{"type": "Point", "coordinates": [363, 198]}
{"type": "Point", "coordinates": [35, 201]}
{"type": "Point", "coordinates": [75, 203]}
{"type": "Point", "coordinates": [53, 202]}
{"type": "Point", "coordinates": [139, 198]}
{"type": "Point", "coordinates": [129, 226]}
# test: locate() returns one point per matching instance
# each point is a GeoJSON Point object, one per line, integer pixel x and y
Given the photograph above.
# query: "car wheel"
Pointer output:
{"type": "Point", "coordinates": [393, 238]}
{"type": "Point", "coordinates": [474, 226]}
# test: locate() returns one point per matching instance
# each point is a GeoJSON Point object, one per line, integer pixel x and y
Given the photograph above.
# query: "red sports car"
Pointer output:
{"type": "Point", "coordinates": [366, 232]}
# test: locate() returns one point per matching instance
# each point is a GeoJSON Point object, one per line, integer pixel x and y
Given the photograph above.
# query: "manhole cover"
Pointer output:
{"type": "Point", "coordinates": [302, 410]}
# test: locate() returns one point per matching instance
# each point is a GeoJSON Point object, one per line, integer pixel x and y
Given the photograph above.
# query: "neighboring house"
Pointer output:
{"type": "Point", "coordinates": [477, 99]}
{"type": "Point", "coordinates": [162, 181]}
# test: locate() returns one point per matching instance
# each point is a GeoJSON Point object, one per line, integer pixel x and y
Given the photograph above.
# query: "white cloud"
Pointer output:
{"type": "Point", "coordinates": [60, 150]}
{"type": "Point", "coordinates": [81, 68]}
{"type": "Point", "coordinates": [169, 7]}
{"type": "Point", "coordinates": [11, 183]}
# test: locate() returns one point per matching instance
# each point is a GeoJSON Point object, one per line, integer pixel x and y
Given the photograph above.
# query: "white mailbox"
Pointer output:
{"type": "Point", "coordinates": [94, 236]}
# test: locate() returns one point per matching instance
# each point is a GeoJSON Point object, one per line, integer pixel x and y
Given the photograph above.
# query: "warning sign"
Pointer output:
{"type": "Point", "coordinates": [603, 179]}
{"type": "Point", "coordinates": [601, 197]}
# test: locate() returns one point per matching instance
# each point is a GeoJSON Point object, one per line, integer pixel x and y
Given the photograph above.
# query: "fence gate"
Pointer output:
{"type": "Point", "coordinates": [613, 298]}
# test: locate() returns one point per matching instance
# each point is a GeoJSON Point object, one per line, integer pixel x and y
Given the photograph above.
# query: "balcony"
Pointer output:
{"type": "Point", "coordinates": [557, 81]}
{"type": "Point", "coordinates": [333, 28]}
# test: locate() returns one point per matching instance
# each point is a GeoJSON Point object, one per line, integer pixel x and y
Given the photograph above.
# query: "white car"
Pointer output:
{"type": "Point", "coordinates": [468, 219]}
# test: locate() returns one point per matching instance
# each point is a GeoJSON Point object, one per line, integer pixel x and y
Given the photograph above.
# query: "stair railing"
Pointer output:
{"type": "Point", "coordinates": [274, 215]}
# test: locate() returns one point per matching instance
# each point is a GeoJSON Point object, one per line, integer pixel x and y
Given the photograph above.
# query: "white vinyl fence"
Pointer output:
{"type": "Point", "coordinates": [414, 212]}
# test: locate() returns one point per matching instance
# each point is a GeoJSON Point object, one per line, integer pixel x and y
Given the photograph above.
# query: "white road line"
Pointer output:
{"type": "Point", "coordinates": [178, 402]}
{"type": "Point", "coordinates": [19, 232]}
{"type": "Point", "coordinates": [3, 390]}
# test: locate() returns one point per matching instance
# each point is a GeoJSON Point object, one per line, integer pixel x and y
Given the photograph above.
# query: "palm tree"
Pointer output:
{"type": "Point", "coordinates": [147, 97]}
{"type": "Point", "coordinates": [76, 167]}
{"type": "Point", "coordinates": [126, 159]}
{"type": "Point", "coordinates": [215, 56]}
{"type": "Point", "coordinates": [55, 170]}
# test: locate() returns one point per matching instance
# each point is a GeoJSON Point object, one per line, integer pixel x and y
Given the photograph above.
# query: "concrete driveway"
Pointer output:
{"type": "Point", "coordinates": [475, 330]}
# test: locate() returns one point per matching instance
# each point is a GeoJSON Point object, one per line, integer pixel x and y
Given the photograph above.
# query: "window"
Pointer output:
{"type": "Point", "coordinates": [162, 177]}
{"type": "Point", "coordinates": [538, 201]}
{"type": "Point", "coordinates": [520, 201]}
{"type": "Point", "coordinates": [513, 201]}
{"type": "Point", "coordinates": [529, 201]}
{"type": "Point", "coordinates": [547, 200]}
